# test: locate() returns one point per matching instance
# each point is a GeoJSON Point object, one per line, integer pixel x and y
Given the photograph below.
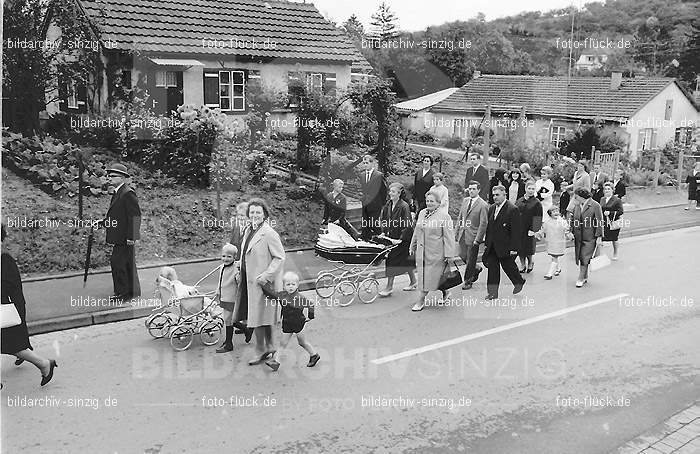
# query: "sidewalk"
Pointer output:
{"type": "Point", "coordinates": [679, 434]}
{"type": "Point", "coordinates": [57, 303]}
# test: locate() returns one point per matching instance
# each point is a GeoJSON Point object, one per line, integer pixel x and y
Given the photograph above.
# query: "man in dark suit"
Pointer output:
{"type": "Point", "coordinates": [478, 172]}
{"type": "Point", "coordinates": [422, 183]}
{"type": "Point", "coordinates": [373, 197]}
{"type": "Point", "coordinates": [502, 243]}
{"type": "Point", "coordinates": [123, 224]}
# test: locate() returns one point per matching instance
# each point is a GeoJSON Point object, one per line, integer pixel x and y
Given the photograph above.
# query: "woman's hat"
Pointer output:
{"type": "Point", "coordinates": [119, 169]}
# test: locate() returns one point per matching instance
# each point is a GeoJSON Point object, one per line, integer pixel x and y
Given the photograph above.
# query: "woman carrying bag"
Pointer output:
{"type": "Point", "coordinates": [15, 337]}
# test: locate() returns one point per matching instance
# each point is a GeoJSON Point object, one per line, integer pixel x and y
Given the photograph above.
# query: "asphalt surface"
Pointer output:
{"type": "Point", "coordinates": [482, 379]}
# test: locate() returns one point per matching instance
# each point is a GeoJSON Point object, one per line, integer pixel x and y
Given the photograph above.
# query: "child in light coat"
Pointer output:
{"type": "Point", "coordinates": [555, 230]}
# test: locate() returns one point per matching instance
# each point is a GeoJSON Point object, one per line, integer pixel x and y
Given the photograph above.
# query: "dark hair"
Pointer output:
{"type": "Point", "coordinates": [260, 203]}
{"type": "Point", "coordinates": [429, 157]}
{"type": "Point", "coordinates": [583, 192]}
{"type": "Point", "coordinates": [516, 172]}
{"type": "Point", "coordinates": [475, 183]}
{"type": "Point", "coordinates": [478, 156]}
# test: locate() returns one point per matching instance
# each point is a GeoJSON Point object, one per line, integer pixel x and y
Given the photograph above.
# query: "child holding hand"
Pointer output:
{"type": "Point", "coordinates": [555, 229]}
{"type": "Point", "coordinates": [293, 319]}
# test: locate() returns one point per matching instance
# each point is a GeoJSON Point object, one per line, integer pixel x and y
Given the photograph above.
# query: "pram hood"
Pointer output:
{"type": "Point", "coordinates": [337, 238]}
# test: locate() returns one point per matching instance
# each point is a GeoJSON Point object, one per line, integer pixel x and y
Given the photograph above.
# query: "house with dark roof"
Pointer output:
{"type": "Point", "coordinates": [647, 112]}
{"type": "Point", "coordinates": [415, 112]}
{"type": "Point", "coordinates": [199, 52]}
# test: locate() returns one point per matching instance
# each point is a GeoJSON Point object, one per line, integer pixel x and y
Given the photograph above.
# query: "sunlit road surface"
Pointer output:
{"type": "Point", "coordinates": [554, 370]}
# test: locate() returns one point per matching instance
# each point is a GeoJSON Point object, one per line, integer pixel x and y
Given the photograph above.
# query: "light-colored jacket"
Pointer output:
{"type": "Point", "coordinates": [432, 242]}
{"type": "Point", "coordinates": [264, 257]}
{"type": "Point", "coordinates": [554, 231]}
{"type": "Point", "coordinates": [471, 226]}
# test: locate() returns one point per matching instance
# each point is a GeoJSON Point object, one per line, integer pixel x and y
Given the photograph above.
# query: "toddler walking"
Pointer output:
{"type": "Point", "coordinates": [227, 292]}
{"type": "Point", "coordinates": [555, 229]}
{"type": "Point", "coordinates": [293, 319]}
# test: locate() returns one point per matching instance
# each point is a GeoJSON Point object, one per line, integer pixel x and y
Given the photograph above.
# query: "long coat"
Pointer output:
{"type": "Point", "coordinates": [421, 185]}
{"type": "Point", "coordinates": [433, 241]}
{"type": "Point", "coordinates": [586, 225]}
{"type": "Point", "coordinates": [123, 219]}
{"type": "Point", "coordinates": [264, 256]}
{"type": "Point", "coordinates": [530, 219]}
{"type": "Point", "coordinates": [398, 225]}
{"type": "Point", "coordinates": [14, 338]}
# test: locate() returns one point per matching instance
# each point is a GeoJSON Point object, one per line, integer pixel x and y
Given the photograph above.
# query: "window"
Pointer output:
{"type": "Point", "coordinates": [314, 83]}
{"type": "Point", "coordinates": [647, 139]}
{"type": "Point", "coordinates": [166, 79]}
{"type": "Point", "coordinates": [299, 83]}
{"type": "Point", "coordinates": [557, 135]}
{"type": "Point", "coordinates": [72, 95]}
{"type": "Point", "coordinates": [225, 89]}
{"type": "Point", "coordinates": [460, 129]}
{"type": "Point", "coordinates": [684, 136]}
{"type": "Point", "coordinates": [669, 109]}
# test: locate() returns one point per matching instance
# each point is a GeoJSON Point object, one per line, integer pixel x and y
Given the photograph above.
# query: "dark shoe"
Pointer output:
{"type": "Point", "coordinates": [273, 364]}
{"type": "Point", "coordinates": [248, 335]}
{"type": "Point", "coordinates": [476, 275]}
{"type": "Point", "coordinates": [518, 288]}
{"type": "Point", "coordinates": [313, 360]}
{"type": "Point", "coordinates": [19, 361]}
{"type": "Point", "coordinates": [491, 297]}
{"type": "Point", "coordinates": [47, 378]}
{"type": "Point", "coordinates": [522, 270]}
{"type": "Point", "coordinates": [225, 348]}
{"type": "Point", "coordinates": [467, 286]}
{"type": "Point", "coordinates": [256, 361]}
{"type": "Point", "coordinates": [530, 268]}
{"type": "Point", "coordinates": [238, 331]}
{"type": "Point", "coordinates": [269, 354]}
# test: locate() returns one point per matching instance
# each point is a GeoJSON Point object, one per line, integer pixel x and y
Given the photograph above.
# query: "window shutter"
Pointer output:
{"type": "Point", "coordinates": [211, 89]}
{"type": "Point", "coordinates": [329, 81]}
{"type": "Point", "coordinates": [653, 138]}
{"type": "Point", "coordinates": [82, 98]}
{"type": "Point", "coordinates": [640, 140]}
{"type": "Point", "coordinates": [669, 109]}
{"type": "Point", "coordinates": [295, 88]}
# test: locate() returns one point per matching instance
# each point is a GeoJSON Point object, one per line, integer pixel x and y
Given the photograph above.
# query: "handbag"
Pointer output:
{"type": "Point", "coordinates": [617, 223]}
{"type": "Point", "coordinates": [601, 261]}
{"type": "Point", "coordinates": [9, 316]}
{"type": "Point", "coordinates": [450, 277]}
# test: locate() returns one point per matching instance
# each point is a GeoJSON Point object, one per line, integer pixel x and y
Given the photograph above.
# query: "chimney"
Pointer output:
{"type": "Point", "coordinates": [476, 74]}
{"type": "Point", "coordinates": [615, 80]}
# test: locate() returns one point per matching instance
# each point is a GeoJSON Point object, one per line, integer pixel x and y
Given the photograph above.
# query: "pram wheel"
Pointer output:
{"type": "Point", "coordinates": [346, 292]}
{"type": "Point", "coordinates": [325, 285]}
{"type": "Point", "coordinates": [181, 337]}
{"type": "Point", "coordinates": [210, 332]}
{"type": "Point", "coordinates": [368, 290]}
{"type": "Point", "coordinates": [159, 325]}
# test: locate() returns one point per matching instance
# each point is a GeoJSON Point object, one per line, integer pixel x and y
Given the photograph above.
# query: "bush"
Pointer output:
{"type": "Point", "coordinates": [454, 143]}
{"type": "Point", "coordinates": [53, 165]}
{"type": "Point", "coordinates": [258, 167]}
{"type": "Point", "coordinates": [422, 137]}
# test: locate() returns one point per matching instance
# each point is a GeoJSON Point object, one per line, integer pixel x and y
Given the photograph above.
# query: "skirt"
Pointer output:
{"type": "Point", "coordinates": [15, 339]}
{"type": "Point", "coordinates": [610, 235]}
{"type": "Point", "coordinates": [398, 262]}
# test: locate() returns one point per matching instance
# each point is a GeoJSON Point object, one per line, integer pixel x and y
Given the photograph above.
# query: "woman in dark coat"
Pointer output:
{"type": "Point", "coordinates": [397, 229]}
{"type": "Point", "coordinates": [612, 211]}
{"type": "Point", "coordinates": [530, 221]}
{"type": "Point", "coordinates": [499, 178]}
{"type": "Point", "coordinates": [15, 339]}
{"type": "Point", "coordinates": [619, 188]}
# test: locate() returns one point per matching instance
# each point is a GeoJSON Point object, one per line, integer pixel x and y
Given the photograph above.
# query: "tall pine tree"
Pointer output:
{"type": "Point", "coordinates": [384, 23]}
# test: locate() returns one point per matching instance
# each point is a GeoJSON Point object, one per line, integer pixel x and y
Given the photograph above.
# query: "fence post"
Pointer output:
{"type": "Point", "coordinates": [487, 133]}
{"type": "Point", "coordinates": [680, 168]}
{"type": "Point", "coordinates": [657, 168]}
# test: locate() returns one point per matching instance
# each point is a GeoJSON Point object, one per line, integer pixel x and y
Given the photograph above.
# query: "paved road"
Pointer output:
{"type": "Point", "coordinates": [67, 298]}
{"type": "Point", "coordinates": [513, 389]}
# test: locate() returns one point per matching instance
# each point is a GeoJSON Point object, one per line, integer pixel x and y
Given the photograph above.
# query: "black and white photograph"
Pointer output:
{"type": "Point", "coordinates": [368, 226]}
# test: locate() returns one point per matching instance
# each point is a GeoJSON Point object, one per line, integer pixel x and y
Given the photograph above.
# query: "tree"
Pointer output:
{"type": "Point", "coordinates": [355, 30]}
{"type": "Point", "coordinates": [383, 23]}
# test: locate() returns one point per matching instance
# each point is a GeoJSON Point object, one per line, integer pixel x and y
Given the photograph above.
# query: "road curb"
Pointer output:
{"type": "Point", "coordinates": [128, 313]}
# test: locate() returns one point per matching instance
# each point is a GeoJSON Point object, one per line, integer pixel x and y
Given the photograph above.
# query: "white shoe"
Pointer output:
{"type": "Point", "coordinates": [615, 257]}
{"type": "Point", "coordinates": [579, 284]}
{"type": "Point", "coordinates": [418, 306]}
{"type": "Point", "coordinates": [410, 288]}
{"type": "Point", "coordinates": [385, 293]}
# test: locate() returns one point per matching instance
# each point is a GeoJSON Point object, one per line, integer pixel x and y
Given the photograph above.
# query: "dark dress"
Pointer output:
{"type": "Point", "coordinates": [15, 338]}
{"type": "Point", "coordinates": [240, 311]}
{"type": "Point", "coordinates": [530, 219]}
{"type": "Point", "coordinates": [612, 210]}
{"type": "Point", "coordinates": [397, 225]}
{"type": "Point", "coordinates": [693, 186]}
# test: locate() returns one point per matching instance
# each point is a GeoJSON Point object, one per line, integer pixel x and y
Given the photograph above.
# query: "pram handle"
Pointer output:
{"type": "Point", "coordinates": [208, 274]}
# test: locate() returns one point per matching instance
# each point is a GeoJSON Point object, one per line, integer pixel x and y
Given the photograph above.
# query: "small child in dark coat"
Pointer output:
{"type": "Point", "coordinates": [293, 319]}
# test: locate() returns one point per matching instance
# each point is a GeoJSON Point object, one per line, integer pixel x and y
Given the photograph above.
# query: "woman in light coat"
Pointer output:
{"type": "Point", "coordinates": [262, 256]}
{"type": "Point", "coordinates": [433, 245]}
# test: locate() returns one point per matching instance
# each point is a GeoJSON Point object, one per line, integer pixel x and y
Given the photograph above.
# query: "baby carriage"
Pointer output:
{"type": "Point", "coordinates": [351, 276]}
{"type": "Point", "coordinates": [184, 311]}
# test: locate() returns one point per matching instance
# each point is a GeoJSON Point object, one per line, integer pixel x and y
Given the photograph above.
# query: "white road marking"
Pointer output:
{"type": "Point", "coordinates": [498, 329]}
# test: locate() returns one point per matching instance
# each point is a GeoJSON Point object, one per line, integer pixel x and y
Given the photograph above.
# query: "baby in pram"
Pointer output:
{"type": "Point", "coordinates": [167, 280]}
